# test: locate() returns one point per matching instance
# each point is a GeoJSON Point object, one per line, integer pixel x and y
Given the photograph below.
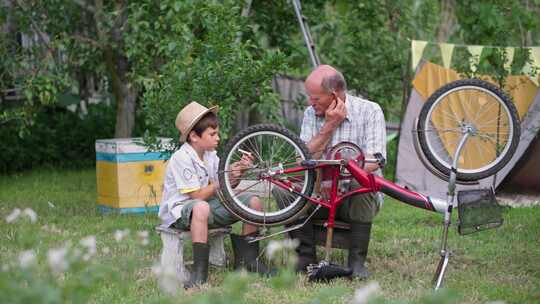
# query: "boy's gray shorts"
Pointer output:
{"type": "Point", "coordinates": [219, 215]}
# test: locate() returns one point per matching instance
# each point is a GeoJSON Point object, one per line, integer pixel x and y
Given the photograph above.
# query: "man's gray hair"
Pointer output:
{"type": "Point", "coordinates": [335, 82]}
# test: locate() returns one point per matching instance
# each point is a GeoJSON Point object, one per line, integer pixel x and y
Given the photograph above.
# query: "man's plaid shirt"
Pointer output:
{"type": "Point", "coordinates": [364, 126]}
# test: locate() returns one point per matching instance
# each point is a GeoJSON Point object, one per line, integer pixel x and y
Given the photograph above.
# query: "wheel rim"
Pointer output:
{"type": "Point", "coordinates": [272, 151]}
{"type": "Point", "coordinates": [484, 113]}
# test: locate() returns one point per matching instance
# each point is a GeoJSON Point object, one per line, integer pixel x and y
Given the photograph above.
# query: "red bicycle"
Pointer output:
{"type": "Point", "coordinates": [467, 130]}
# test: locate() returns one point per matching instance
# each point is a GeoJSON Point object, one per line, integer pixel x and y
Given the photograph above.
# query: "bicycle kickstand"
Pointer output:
{"type": "Point", "coordinates": [289, 229]}
{"type": "Point", "coordinates": [328, 245]}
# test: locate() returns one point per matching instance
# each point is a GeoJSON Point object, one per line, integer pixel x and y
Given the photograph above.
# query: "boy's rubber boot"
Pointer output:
{"type": "Point", "coordinates": [360, 236]}
{"type": "Point", "coordinates": [306, 251]}
{"type": "Point", "coordinates": [199, 275]}
{"type": "Point", "coordinates": [246, 254]}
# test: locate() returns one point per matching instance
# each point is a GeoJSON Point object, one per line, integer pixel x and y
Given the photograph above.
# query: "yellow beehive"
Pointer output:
{"type": "Point", "coordinates": [129, 179]}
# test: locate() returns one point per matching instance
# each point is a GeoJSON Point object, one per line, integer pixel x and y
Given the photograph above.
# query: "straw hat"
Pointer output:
{"type": "Point", "coordinates": [189, 116]}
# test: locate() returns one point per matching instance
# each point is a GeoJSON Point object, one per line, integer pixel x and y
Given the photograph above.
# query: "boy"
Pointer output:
{"type": "Point", "coordinates": [189, 196]}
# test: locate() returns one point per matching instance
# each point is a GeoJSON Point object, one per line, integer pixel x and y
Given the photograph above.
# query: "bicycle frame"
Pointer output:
{"type": "Point", "coordinates": [369, 183]}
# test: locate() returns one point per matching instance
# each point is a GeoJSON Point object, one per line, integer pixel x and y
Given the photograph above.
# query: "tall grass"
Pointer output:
{"type": "Point", "coordinates": [501, 264]}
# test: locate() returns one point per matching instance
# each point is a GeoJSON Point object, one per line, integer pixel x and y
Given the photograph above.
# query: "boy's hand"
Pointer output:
{"type": "Point", "coordinates": [238, 168]}
{"type": "Point", "coordinates": [234, 174]}
{"type": "Point", "coordinates": [235, 170]}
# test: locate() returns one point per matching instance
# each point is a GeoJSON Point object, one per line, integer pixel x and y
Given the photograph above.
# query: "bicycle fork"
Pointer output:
{"type": "Point", "coordinates": [445, 253]}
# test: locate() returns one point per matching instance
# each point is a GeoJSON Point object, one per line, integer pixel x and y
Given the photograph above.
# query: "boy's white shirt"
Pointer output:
{"type": "Point", "coordinates": [185, 173]}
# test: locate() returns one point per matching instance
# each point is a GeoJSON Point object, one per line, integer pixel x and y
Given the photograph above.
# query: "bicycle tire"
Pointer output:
{"type": "Point", "coordinates": [482, 96]}
{"type": "Point", "coordinates": [260, 140]}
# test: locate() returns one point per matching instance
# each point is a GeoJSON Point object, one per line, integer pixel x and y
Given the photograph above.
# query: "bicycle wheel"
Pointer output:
{"type": "Point", "coordinates": [476, 107]}
{"type": "Point", "coordinates": [274, 149]}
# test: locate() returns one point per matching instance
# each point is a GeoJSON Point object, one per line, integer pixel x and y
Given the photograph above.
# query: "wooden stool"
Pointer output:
{"type": "Point", "coordinates": [172, 253]}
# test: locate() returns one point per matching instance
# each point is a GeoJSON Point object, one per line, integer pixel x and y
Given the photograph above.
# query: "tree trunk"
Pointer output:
{"type": "Point", "coordinates": [124, 91]}
{"type": "Point", "coordinates": [126, 102]}
{"type": "Point", "coordinates": [448, 20]}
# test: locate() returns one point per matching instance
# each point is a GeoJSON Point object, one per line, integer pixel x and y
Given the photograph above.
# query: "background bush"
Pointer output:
{"type": "Point", "coordinates": [58, 138]}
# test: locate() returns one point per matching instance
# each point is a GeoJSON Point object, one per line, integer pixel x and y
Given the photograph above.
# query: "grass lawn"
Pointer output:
{"type": "Point", "coordinates": [500, 264]}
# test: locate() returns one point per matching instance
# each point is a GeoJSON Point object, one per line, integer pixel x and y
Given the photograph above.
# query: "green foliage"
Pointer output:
{"type": "Point", "coordinates": [23, 285]}
{"type": "Point", "coordinates": [172, 52]}
{"type": "Point", "coordinates": [366, 40]}
{"type": "Point", "coordinates": [495, 23]}
{"type": "Point", "coordinates": [275, 25]}
{"type": "Point", "coordinates": [373, 50]}
{"type": "Point", "coordinates": [44, 68]}
{"type": "Point", "coordinates": [58, 137]}
{"type": "Point", "coordinates": [203, 57]}
{"type": "Point", "coordinates": [391, 158]}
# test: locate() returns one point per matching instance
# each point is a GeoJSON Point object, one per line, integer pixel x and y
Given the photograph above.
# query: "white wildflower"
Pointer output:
{"type": "Point", "coordinates": [120, 234]}
{"type": "Point", "coordinates": [143, 235]}
{"type": "Point", "coordinates": [167, 279]}
{"type": "Point", "coordinates": [77, 253]}
{"type": "Point", "coordinates": [364, 293]}
{"type": "Point", "coordinates": [275, 246]}
{"type": "Point", "coordinates": [57, 259]}
{"type": "Point", "coordinates": [13, 215]}
{"type": "Point", "coordinates": [27, 258]}
{"type": "Point", "coordinates": [89, 243]}
{"type": "Point", "coordinates": [51, 205]}
{"type": "Point", "coordinates": [106, 250]}
{"type": "Point", "coordinates": [32, 215]}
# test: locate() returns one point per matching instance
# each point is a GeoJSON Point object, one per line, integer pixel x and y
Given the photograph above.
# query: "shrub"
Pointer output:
{"type": "Point", "coordinates": [56, 138]}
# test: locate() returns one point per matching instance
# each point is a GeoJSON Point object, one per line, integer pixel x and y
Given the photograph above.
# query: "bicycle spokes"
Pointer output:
{"type": "Point", "coordinates": [479, 109]}
{"type": "Point", "coordinates": [271, 153]}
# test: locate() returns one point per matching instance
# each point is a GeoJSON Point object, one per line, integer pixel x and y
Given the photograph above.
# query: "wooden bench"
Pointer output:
{"type": "Point", "coordinates": [172, 252]}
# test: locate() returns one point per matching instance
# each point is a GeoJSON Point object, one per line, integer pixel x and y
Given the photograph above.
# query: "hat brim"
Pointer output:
{"type": "Point", "coordinates": [184, 136]}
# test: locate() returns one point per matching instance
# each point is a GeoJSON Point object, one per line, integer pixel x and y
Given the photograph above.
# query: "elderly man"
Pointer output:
{"type": "Point", "coordinates": [334, 116]}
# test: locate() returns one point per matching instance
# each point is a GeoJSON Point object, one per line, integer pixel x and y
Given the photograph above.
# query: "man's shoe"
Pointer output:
{"type": "Point", "coordinates": [246, 255]}
{"type": "Point", "coordinates": [306, 251]}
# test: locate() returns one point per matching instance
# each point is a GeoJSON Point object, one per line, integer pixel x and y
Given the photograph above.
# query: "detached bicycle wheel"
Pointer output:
{"type": "Point", "coordinates": [477, 107]}
{"type": "Point", "coordinates": [273, 149]}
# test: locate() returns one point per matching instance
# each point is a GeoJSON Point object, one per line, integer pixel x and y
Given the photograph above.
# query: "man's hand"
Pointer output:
{"type": "Point", "coordinates": [333, 116]}
{"type": "Point", "coordinates": [336, 112]}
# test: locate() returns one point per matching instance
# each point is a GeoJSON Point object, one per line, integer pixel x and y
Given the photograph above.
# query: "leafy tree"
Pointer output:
{"type": "Point", "coordinates": [370, 44]}
{"type": "Point", "coordinates": [75, 40]}
{"type": "Point", "coordinates": [204, 54]}
{"type": "Point", "coordinates": [167, 52]}
{"type": "Point", "coordinates": [370, 40]}
{"type": "Point", "coordinates": [497, 23]}
{"type": "Point", "coordinates": [367, 40]}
